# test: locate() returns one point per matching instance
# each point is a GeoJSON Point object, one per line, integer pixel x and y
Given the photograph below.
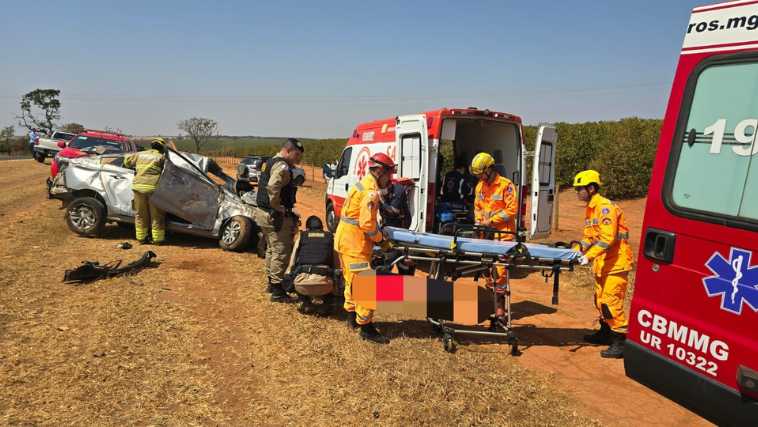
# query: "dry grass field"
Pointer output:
{"type": "Point", "coordinates": [196, 341]}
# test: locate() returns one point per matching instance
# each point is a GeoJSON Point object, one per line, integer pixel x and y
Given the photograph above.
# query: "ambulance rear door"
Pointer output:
{"type": "Point", "coordinates": [412, 142]}
{"type": "Point", "coordinates": [543, 183]}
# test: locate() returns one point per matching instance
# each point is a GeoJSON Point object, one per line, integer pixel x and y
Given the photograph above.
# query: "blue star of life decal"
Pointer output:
{"type": "Point", "coordinates": [734, 280]}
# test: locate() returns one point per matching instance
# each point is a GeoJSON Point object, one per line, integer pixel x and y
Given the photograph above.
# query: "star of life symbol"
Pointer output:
{"type": "Point", "coordinates": [734, 280]}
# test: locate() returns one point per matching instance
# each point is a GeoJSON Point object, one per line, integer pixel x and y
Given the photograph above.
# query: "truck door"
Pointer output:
{"type": "Point", "coordinates": [543, 183]}
{"type": "Point", "coordinates": [189, 195]}
{"type": "Point", "coordinates": [412, 143]}
{"type": "Point", "coordinates": [342, 179]}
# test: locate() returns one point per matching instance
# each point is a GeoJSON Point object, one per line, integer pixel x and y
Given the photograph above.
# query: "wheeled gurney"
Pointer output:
{"type": "Point", "coordinates": [453, 257]}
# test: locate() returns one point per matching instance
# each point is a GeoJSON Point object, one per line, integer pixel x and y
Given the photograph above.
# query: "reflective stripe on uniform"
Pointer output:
{"type": "Point", "coordinates": [623, 236]}
{"type": "Point", "coordinates": [602, 245]}
{"type": "Point", "coordinates": [504, 216]}
{"type": "Point", "coordinates": [358, 266]}
{"type": "Point", "coordinates": [497, 197]}
{"type": "Point", "coordinates": [585, 244]}
{"type": "Point", "coordinates": [349, 221]}
{"type": "Point", "coordinates": [371, 233]}
{"type": "Point", "coordinates": [359, 186]}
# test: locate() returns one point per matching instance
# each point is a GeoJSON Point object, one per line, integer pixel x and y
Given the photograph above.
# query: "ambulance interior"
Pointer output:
{"type": "Point", "coordinates": [462, 139]}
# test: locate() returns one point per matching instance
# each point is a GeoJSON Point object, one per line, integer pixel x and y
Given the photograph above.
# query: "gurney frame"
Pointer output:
{"type": "Point", "coordinates": [481, 265]}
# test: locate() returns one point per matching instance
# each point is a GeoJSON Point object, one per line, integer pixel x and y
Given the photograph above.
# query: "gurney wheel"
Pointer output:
{"type": "Point", "coordinates": [448, 343]}
{"type": "Point", "coordinates": [437, 329]}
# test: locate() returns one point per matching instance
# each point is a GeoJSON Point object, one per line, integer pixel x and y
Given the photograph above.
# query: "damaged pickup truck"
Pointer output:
{"type": "Point", "coordinates": [95, 190]}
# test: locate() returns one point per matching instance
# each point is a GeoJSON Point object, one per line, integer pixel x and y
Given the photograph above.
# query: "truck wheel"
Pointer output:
{"type": "Point", "coordinates": [40, 157]}
{"type": "Point", "coordinates": [331, 218]}
{"type": "Point", "coordinates": [86, 216]}
{"type": "Point", "coordinates": [235, 234]}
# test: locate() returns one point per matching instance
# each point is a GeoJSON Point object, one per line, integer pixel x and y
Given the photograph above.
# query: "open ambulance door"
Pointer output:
{"type": "Point", "coordinates": [543, 183]}
{"type": "Point", "coordinates": [412, 142]}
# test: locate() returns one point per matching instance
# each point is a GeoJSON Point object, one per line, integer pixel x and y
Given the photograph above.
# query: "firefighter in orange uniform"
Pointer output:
{"type": "Point", "coordinates": [495, 206]}
{"type": "Point", "coordinates": [606, 245]}
{"type": "Point", "coordinates": [356, 234]}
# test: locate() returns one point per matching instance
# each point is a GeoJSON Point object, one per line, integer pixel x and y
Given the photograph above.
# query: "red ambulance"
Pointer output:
{"type": "Point", "coordinates": [693, 333]}
{"type": "Point", "coordinates": [416, 143]}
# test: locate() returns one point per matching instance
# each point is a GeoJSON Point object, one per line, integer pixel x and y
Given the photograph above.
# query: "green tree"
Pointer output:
{"type": "Point", "coordinates": [72, 128]}
{"type": "Point", "coordinates": [199, 129]}
{"type": "Point", "coordinates": [6, 135]}
{"type": "Point", "coordinates": [40, 109]}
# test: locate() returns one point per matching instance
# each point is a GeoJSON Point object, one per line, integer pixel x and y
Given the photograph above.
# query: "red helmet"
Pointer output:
{"type": "Point", "coordinates": [381, 160]}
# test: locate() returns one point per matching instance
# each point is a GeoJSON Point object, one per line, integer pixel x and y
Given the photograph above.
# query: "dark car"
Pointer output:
{"type": "Point", "coordinates": [248, 171]}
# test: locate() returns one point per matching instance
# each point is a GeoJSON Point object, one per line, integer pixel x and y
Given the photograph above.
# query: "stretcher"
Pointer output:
{"type": "Point", "coordinates": [455, 256]}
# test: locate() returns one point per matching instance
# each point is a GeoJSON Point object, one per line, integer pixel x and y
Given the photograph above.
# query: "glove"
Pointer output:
{"type": "Point", "coordinates": [583, 260]}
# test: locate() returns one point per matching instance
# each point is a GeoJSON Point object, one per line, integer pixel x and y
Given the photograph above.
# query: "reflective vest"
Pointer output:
{"type": "Point", "coordinates": [606, 237]}
{"type": "Point", "coordinates": [358, 229]}
{"type": "Point", "coordinates": [315, 248]}
{"type": "Point", "coordinates": [498, 202]}
{"type": "Point", "coordinates": [287, 193]}
{"type": "Point", "coordinates": [149, 165]}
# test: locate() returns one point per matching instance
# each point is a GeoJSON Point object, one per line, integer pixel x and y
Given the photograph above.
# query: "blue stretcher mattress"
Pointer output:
{"type": "Point", "coordinates": [482, 246]}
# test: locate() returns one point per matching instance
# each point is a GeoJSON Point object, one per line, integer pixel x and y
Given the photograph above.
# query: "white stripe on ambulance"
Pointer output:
{"type": "Point", "coordinates": [718, 349]}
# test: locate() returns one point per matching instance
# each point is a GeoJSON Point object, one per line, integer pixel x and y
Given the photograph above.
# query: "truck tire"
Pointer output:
{"type": "Point", "coordinates": [40, 157]}
{"type": "Point", "coordinates": [86, 216]}
{"type": "Point", "coordinates": [331, 217]}
{"type": "Point", "coordinates": [235, 234]}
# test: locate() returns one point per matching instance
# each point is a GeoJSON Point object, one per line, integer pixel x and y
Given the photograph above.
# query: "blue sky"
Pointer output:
{"type": "Point", "coordinates": [316, 69]}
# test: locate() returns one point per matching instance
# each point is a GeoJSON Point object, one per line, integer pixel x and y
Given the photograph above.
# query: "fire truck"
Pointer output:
{"type": "Point", "coordinates": [693, 333]}
{"type": "Point", "coordinates": [417, 143]}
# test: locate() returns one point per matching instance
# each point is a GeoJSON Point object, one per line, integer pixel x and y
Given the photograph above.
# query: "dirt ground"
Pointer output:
{"type": "Point", "coordinates": [196, 341]}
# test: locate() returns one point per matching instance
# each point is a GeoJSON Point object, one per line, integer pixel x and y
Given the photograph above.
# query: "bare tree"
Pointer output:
{"type": "Point", "coordinates": [199, 130]}
{"type": "Point", "coordinates": [44, 100]}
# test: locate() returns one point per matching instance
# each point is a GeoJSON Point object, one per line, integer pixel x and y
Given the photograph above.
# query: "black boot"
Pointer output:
{"type": "Point", "coordinates": [269, 287]}
{"type": "Point", "coordinates": [278, 294]}
{"type": "Point", "coordinates": [351, 322]}
{"type": "Point", "coordinates": [602, 336]}
{"type": "Point", "coordinates": [616, 349]}
{"type": "Point", "coordinates": [369, 333]}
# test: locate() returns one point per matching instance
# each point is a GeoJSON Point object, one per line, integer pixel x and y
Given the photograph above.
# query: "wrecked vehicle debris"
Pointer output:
{"type": "Point", "coordinates": [90, 271]}
{"type": "Point", "coordinates": [96, 190]}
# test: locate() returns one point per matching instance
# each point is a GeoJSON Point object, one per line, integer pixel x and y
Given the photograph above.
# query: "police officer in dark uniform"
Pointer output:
{"type": "Point", "coordinates": [276, 199]}
{"type": "Point", "coordinates": [311, 269]}
{"type": "Point", "coordinates": [396, 212]}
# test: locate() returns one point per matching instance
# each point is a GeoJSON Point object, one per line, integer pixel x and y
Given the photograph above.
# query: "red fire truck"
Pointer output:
{"type": "Point", "coordinates": [693, 332]}
{"type": "Point", "coordinates": [417, 143]}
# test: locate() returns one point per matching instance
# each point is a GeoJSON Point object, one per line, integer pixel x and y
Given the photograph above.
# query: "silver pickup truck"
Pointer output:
{"type": "Point", "coordinates": [98, 189]}
{"type": "Point", "coordinates": [50, 146]}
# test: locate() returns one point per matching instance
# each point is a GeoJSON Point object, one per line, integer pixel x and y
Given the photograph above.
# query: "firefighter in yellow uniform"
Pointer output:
{"type": "Point", "coordinates": [148, 165]}
{"type": "Point", "coordinates": [356, 234]}
{"type": "Point", "coordinates": [605, 244]}
{"type": "Point", "coordinates": [495, 206]}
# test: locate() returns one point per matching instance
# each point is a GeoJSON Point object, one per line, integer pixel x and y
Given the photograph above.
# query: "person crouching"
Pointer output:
{"type": "Point", "coordinates": [311, 269]}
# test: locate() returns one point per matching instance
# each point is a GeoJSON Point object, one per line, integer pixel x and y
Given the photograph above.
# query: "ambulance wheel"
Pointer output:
{"type": "Point", "coordinates": [86, 216]}
{"type": "Point", "coordinates": [235, 234]}
{"type": "Point", "coordinates": [331, 217]}
{"type": "Point", "coordinates": [448, 343]}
